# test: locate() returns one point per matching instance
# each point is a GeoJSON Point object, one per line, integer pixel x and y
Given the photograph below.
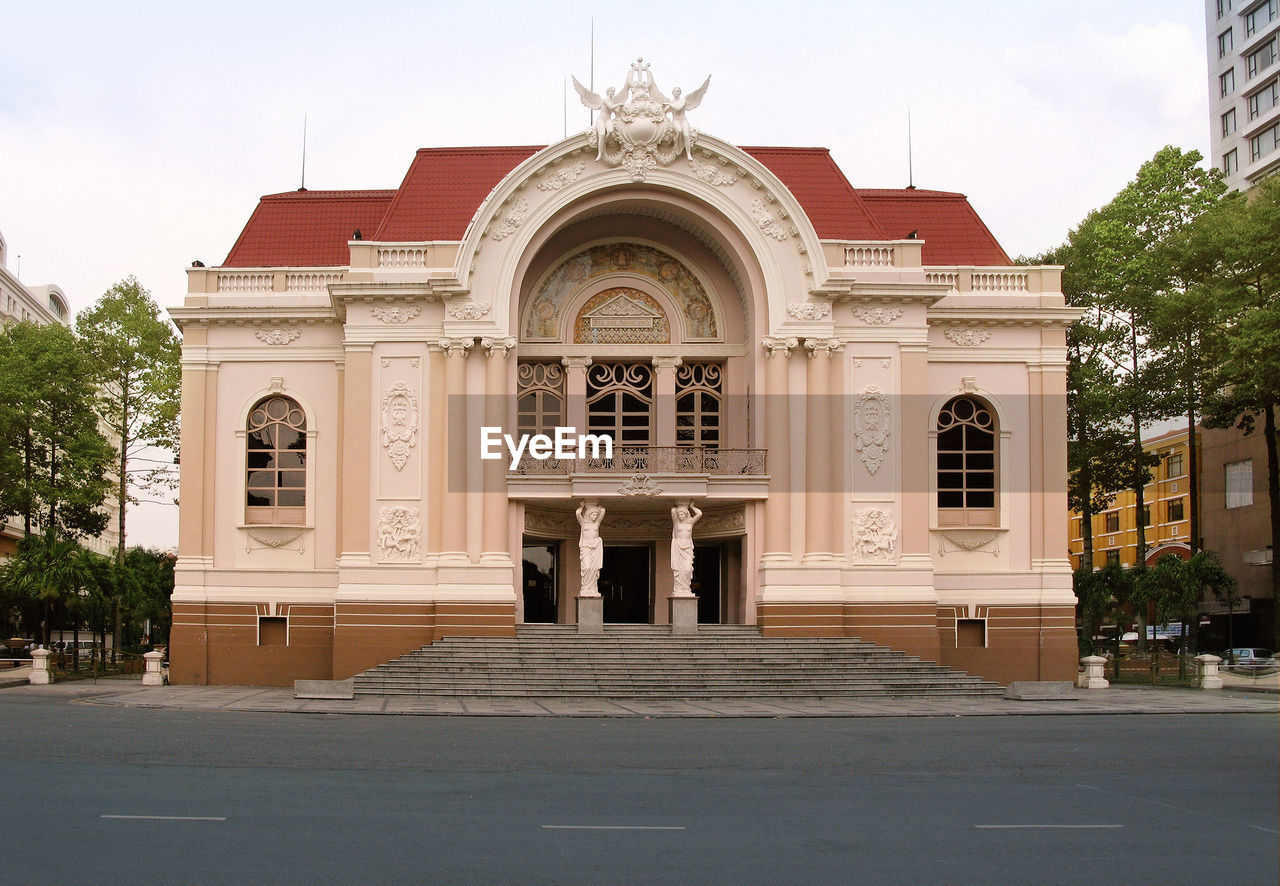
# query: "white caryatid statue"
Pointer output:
{"type": "Point", "coordinates": [590, 547]}
{"type": "Point", "coordinates": [683, 516]}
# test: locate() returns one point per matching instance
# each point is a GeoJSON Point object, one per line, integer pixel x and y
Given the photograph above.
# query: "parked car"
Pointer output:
{"type": "Point", "coordinates": [1249, 658]}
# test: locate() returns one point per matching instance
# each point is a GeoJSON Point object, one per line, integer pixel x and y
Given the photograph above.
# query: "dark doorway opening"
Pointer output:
{"type": "Point", "coordinates": [539, 583]}
{"type": "Point", "coordinates": [625, 584]}
{"type": "Point", "coordinates": [706, 582]}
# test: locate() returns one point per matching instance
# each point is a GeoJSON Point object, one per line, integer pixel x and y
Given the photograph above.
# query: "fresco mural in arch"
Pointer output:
{"type": "Point", "coordinates": [543, 315]}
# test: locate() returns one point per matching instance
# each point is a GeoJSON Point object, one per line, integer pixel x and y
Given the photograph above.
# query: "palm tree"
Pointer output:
{"type": "Point", "coordinates": [48, 570]}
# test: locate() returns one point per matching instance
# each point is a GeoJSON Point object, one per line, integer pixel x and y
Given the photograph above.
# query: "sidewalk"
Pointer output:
{"type": "Point", "coordinates": [1115, 700]}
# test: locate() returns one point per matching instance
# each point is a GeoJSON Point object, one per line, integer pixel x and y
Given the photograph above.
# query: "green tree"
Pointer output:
{"type": "Point", "coordinates": [147, 586]}
{"type": "Point", "coordinates": [1117, 269]}
{"type": "Point", "coordinates": [138, 357]}
{"type": "Point", "coordinates": [1176, 587]}
{"type": "Point", "coordinates": [1243, 236]}
{"type": "Point", "coordinates": [53, 459]}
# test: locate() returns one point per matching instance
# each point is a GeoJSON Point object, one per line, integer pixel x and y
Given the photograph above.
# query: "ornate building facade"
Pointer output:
{"type": "Point", "coordinates": [857, 392]}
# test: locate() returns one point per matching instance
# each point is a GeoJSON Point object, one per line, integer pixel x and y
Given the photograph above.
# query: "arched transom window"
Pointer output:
{"type": "Point", "coordinates": [276, 462]}
{"type": "Point", "coordinates": [967, 435]}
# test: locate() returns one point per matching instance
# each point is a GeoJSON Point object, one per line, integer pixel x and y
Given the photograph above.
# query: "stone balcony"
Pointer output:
{"type": "Point", "coordinates": [645, 471]}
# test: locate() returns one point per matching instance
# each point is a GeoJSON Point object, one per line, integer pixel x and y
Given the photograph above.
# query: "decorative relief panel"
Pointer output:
{"type": "Point", "coordinates": [872, 423]}
{"type": "Point", "coordinates": [468, 311]}
{"type": "Point", "coordinates": [567, 176]}
{"type": "Point", "coordinates": [395, 316]}
{"type": "Point", "coordinates": [399, 534]}
{"type": "Point", "coordinates": [809, 311]}
{"type": "Point", "coordinates": [961, 540]}
{"type": "Point", "coordinates": [512, 220]}
{"type": "Point", "coordinates": [639, 484]}
{"type": "Point", "coordinates": [557, 525]}
{"type": "Point", "coordinates": [968, 337]}
{"type": "Point", "coordinates": [876, 316]}
{"type": "Point", "coordinates": [713, 175]}
{"type": "Point", "coordinates": [875, 536]}
{"type": "Point", "coordinates": [277, 336]}
{"type": "Point", "coordinates": [766, 221]}
{"type": "Point", "coordinates": [543, 313]}
{"type": "Point", "coordinates": [399, 423]}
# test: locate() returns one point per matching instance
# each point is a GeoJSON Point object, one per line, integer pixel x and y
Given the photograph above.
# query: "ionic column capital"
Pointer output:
{"type": "Point", "coordinates": [667, 362]}
{"type": "Point", "coordinates": [497, 347]}
{"type": "Point", "coordinates": [456, 347]}
{"type": "Point", "coordinates": [576, 362]}
{"type": "Point", "coordinates": [775, 347]}
{"type": "Point", "coordinates": [822, 346]}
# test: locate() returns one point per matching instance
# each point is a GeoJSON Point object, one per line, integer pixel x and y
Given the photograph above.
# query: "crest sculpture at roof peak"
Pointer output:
{"type": "Point", "coordinates": [638, 127]}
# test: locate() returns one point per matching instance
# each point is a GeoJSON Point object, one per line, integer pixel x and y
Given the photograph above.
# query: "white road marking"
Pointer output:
{"type": "Point", "coordinates": [608, 827]}
{"type": "Point", "coordinates": [169, 817]}
{"type": "Point", "coordinates": [1066, 827]}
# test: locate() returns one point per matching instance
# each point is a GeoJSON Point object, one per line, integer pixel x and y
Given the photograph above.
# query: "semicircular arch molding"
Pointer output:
{"type": "Point", "coordinates": [785, 260]}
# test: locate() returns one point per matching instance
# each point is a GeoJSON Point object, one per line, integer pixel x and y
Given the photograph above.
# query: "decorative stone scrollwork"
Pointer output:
{"type": "Point", "coordinates": [969, 542]}
{"type": "Point", "coordinates": [399, 534]}
{"type": "Point", "coordinates": [567, 176]}
{"type": "Point", "coordinates": [277, 336]}
{"type": "Point", "coordinates": [967, 337]}
{"type": "Point", "coordinates": [512, 221]}
{"type": "Point", "coordinates": [274, 538]}
{"type": "Point", "coordinates": [766, 221]}
{"type": "Point", "coordinates": [399, 423]}
{"type": "Point", "coordinates": [809, 311]}
{"type": "Point", "coordinates": [713, 175]}
{"type": "Point", "coordinates": [774, 347]}
{"type": "Point", "coordinates": [549, 524]}
{"type": "Point", "coordinates": [875, 535]}
{"type": "Point", "coordinates": [497, 347]}
{"type": "Point", "coordinates": [468, 311]}
{"type": "Point", "coordinates": [456, 347]}
{"type": "Point", "coordinates": [876, 316]}
{"type": "Point", "coordinates": [822, 346]}
{"type": "Point", "coordinates": [872, 425]}
{"type": "Point", "coordinates": [396, 316]}
{"type": "Point", "coordinates": [639, 484]}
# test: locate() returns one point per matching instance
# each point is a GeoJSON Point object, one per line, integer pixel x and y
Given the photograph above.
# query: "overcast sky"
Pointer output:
{"type": "Point", "coordinates": [136, 137]}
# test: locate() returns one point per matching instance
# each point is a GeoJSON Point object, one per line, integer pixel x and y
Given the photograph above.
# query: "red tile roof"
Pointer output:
{"type": "Point", "coordinates": [442, 190]}
{"type": "Point", "coordinates": [953, 233]}
{"type": "Point", "coordinates": [444, 187]}
{"type": "Point", "coordinates": [307, 229]}
{"type": "Point", "coordinates": [828, 199]}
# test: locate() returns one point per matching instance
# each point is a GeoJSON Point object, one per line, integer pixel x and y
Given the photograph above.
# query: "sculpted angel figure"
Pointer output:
{"type": "Point", "coordinates": [590, 547]}
{"type": "Point", "coordinates": [677, 105]}
{"type": "Point", "coordinates": [683, 517]}
{"type": "Point", "coordinates": [606, 106]}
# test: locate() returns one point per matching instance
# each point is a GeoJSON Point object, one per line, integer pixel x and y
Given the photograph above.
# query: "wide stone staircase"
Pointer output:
{"type": "Point", "coordinates": [648, 661]}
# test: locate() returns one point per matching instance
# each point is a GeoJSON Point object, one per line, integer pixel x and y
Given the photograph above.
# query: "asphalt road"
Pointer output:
{"type": "Point", "coordinates": [113, 795]}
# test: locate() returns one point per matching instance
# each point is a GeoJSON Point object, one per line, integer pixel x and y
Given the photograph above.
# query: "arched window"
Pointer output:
{"type": "Point", "coordinates": [541, 397]}
{"type": "Point", "coordinates": [276, 461]}
{"type": "Point", "coordinates": [699, 391]}
{"type": "Point", "coordinates": [967, 434]}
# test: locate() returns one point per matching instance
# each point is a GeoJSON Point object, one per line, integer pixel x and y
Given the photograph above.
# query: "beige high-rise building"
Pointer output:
{"type": "Point", "coordinates": [1243, 43]}
{"type": "Point", "coordinates": [833, 411]}
{"type": "Point", "coordinates": [40, 304]}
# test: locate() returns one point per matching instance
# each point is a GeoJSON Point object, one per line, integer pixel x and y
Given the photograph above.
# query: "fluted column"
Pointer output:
{"type": "Point", "coordinates": [575, 392]}
{"type": "Point", "coordinates": [453, 533]}
{"type": "Point", "coordinates": [819, 516]}
{"type": "Point", "coordinates": [777, 510]}
{"type": "Point", "coordinates": [494, 541]}
{"type": "Point", "coordinates": [664, 389]}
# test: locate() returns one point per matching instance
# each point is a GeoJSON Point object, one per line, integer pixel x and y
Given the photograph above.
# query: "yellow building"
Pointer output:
{"type": "Point", "coordinates": [1167, 501]}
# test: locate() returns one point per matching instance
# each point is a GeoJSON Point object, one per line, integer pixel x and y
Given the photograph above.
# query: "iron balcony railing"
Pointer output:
{"type": "Point", "coordinates": [653, 460]}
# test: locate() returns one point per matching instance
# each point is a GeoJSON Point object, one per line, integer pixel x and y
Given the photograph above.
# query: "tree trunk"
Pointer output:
{"type": "Point", "coordinates": [1273, 496]}
{"type": "Point", "coordinates": [120, 523]}
{"type": "Point", "coordinates": [1140, 519]}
